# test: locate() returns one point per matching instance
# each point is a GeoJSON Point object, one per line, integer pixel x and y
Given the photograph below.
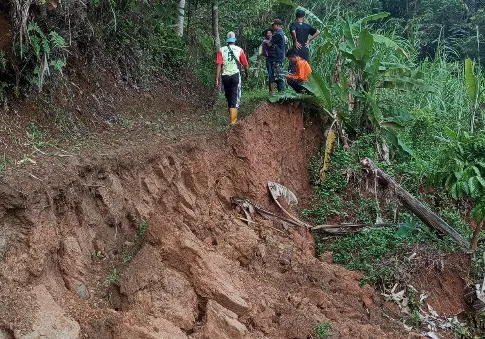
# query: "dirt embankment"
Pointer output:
{"type": "Point", "coordinates": [72, 265]}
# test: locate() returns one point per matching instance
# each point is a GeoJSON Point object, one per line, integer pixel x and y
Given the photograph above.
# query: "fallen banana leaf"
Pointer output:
{"type": "Point", "coordinates": [279, 191]}
{"type": "Point", "coordinates": [340, 229]}
{"type": "Point", "coordinates": [249, 208]}
{"type": "Point", "coordinates": [318, 227]}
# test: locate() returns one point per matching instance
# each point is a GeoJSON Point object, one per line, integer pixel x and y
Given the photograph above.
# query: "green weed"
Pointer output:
{"type": "Point", "coordinates": [377, 252]}
{"type": "Point", "coordinates": [141, 229]}
{"type": "Point", "coordinates": [322, 330]}
{"type": "Point", "coordinates": [125, 123]}
{"type": "Point", "coordinates": [327, 201]}
{"type": "Point", "coordinates": [5, 162]}
{"type": "Point", "coordinates": [127, 259]}
{"type": "Point", "coordinates": [365, 251]}
{"type": "Point", "coordinates": [113, 277]}
{"type": "Point", "coordinates": [416, 320]}
{"type": "Point", "coordinates": [35, 137]}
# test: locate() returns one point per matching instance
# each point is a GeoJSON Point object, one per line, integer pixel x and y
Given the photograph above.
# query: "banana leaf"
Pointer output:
{"type": "Point", "coordinates": [279, 191]}
{"type": "Point", "coordinates": [471, 81]}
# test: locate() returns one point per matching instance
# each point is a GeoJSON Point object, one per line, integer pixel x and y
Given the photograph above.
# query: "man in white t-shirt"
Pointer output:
{"type": "Point", "coordinates": [229, 61]}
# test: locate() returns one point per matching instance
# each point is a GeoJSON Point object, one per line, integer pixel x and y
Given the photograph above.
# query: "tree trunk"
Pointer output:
{"type": "Point", "coordinates": [215, 24]}
{"type": "Point", "coordinates": [181, 15]}
{"type": "Point", "coordinates": [476, 236]}
{"type": "Point", "coordinates": [414, 205]}
{"type": "Point", "coordinates": [20, 15]}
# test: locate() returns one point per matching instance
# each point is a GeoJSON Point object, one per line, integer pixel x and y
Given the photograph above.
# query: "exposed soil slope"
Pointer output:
{"type": "Point", "coordinates": [72, 265]}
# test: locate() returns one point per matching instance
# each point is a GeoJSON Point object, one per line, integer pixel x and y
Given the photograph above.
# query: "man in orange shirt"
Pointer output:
{"type": "Point", "coordinates": [301, 74]}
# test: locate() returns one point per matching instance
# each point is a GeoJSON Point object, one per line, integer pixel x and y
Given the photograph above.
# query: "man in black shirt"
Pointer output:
{"type": "Point", "coordinates": [302, 34]}
{"type": "Point", "coordinates": [276, 56]}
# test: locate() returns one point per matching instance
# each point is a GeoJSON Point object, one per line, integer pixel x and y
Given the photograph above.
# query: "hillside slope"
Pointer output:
{"type": "Point", "coordinates": [142, 242]}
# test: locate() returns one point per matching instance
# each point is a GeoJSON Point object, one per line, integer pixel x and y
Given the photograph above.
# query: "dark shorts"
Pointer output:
{"type": "Point", "coordinates": [269, 69]}
{"type": "Point", "coordinates": [275, 71]}
{"type": "Point", "coordinates": [304, 53]}
{"type": "Point", "coordinates": [296, 85]}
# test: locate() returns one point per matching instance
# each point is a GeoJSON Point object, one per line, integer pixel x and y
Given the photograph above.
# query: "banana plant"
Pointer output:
{"type": "Point", "coordinates": [351, 97]}
{"type": "Point", "coordinates": [472, 85]}
{"type": "Point", "coordinates": [462, 172]}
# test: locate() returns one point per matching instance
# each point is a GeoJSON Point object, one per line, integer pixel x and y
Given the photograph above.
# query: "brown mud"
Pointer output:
{"type": "Point", "coordinates": [73, 266]}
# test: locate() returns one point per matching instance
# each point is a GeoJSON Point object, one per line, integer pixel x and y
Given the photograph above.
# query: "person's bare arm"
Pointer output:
{"type": "Point", "coordinates": [295, 42]}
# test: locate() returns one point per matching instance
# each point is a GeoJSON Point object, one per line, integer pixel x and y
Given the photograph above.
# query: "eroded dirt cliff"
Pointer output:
{"type": "Point", "coordinates": [142, 242]}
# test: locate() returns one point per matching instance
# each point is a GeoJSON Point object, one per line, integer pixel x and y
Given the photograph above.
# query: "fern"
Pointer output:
{"type": "Point", "coordinates": [43, 46]}
{"type": "Point", "coordinates": [58, 64]}
{"type": "Point", "coordinates": [46, 46]}
{"type": "Point", "coordinates": [35, 42]}
{"type": "Point", "coordinates": [57, 40]}
{"type": "Point", "coordinates": [34, 27]}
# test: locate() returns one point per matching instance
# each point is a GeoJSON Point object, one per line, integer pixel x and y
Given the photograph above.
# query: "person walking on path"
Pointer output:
{"type": "Point", "coordinates": [276, 56]}
{"type": "Point", "coordinates": [229, 61]}
{"type": "Point", "coordinates": [302, 71]}
{"type": "Point", "coordinates": [302, 34]}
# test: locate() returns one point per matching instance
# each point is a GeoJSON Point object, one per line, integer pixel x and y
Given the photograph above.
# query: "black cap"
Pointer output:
{"type": "Point", "coordinates": [277, 22]}
{"type": "Point", "coordinates": [267, 30]}
{"type": "Point", "coordinates": [300, 13]}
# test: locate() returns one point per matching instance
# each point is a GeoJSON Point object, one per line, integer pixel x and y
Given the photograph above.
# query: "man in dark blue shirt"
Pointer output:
{"type": "Point", "coordinates": [302, 34]}
{"type": "Point", "coordinates": [276, 56]}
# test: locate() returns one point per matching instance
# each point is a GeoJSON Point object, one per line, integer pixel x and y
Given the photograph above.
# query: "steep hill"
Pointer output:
{"type": "Point", "coordinates": [142, 242]}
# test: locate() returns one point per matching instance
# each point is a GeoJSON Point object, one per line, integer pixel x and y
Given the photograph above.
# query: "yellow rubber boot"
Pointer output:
{"type": "Point", "coordinates": [233, 115]}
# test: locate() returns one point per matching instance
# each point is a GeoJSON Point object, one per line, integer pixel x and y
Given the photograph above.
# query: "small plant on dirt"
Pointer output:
{"type": "Point", "coordinates": [142, 229]}
{"type": "Point", "coordinates": [125, 123]}
{"type": "Point", "coordinates": [5, 162]}
{"type": "Point", "coordinates": [113, 278]}
{"type": "Point", "coordinates": [127, 259]}
{"type": "Point", "coordinates": [474, 329]}
{"type": "Point", "coordinates": [36, 138]}
{"type": "Point", "coordinates": [322, 330]}
{"type": "Point", "coordinates": [365, 251]}
{"type": "Point", "coordinates": [416, 319]}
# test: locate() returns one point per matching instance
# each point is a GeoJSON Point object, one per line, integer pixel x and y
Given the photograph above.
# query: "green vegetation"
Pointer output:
{"type": "Point", "coordinates": [142, 229]}
{"type": "Point", "coordinates": [36, 138]}
{"type": "Point", "coordinates": [5, 161]}
{"type": "Point", "coordinates": [378, 252]}
{"type": "Point", "coordinates": [421, 121]}
{"type": "Point", "coordinates": [399, 83]}
{"type": "Point", "coordinates": [125, 123]}
{"type": "Point", "coordinates": [322, 330]}
{"type": "Point", "coordinates": [113, 277]}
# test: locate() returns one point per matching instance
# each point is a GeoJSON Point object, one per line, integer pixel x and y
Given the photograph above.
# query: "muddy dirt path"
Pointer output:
{"type": "Point", "coordinates": [142, 242]}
